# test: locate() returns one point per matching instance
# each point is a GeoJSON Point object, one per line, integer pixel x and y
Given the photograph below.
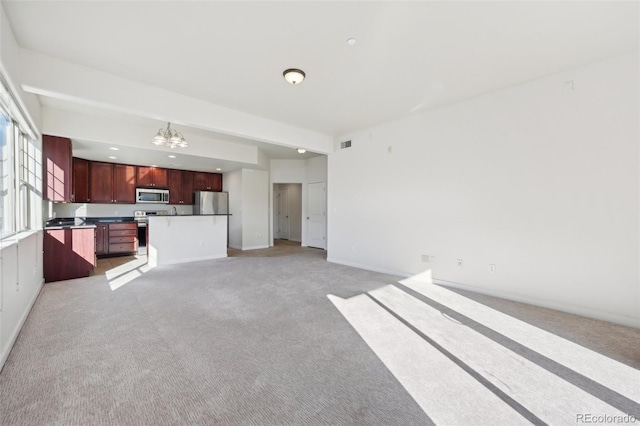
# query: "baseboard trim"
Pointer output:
{"type": "Point", "coordinates": [14, 335]}
{"type": "Point", "coordinates": [563, 307]}
{"type": "Point", "coordinates": [368, 267]}
{"type": "Point", "coordinates": [254, 247]}
{"type": "Point", "coordinates": [192, 259]}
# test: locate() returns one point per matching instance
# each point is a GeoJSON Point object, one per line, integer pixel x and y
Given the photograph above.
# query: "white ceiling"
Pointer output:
{"type": "Point", "coordinates": [152, 155]}
{"type": "Point", "coordinates": [409, 56]}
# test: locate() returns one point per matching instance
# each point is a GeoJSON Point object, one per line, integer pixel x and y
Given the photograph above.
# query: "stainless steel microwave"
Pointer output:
{"type": "Point", "coordinates": [156, 196]}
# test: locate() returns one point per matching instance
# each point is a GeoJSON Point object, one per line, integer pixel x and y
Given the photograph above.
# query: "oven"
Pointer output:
{"type": "Point", "coordinates": [142, 219]}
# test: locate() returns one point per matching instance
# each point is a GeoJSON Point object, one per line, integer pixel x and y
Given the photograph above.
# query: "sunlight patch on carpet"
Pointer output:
{"type": "Point", "coordinates": [614, 375]}
{"type": "Point", "coordinates": [446, 393]}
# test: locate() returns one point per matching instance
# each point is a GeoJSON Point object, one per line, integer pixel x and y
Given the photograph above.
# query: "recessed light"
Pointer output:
{"type": "Point", "coordinates": [113, 148]}
{"type": "Point", "coordinates": [154, 165]}
{"type": "Point", "coordinates": [172, 156]}
{"type": "Point", "coordinates": [218, 169]}
{"type": "Point", "coordinates": [351, 41]}
{"type": "Point", "coordinates": [112, 157]}
{"type": "Point", "coordinates": [301, 150]}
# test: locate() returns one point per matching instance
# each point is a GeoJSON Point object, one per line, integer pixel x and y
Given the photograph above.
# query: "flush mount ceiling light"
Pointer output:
{"type": "Point", "coordinates": [294, 76]}
{"type": "Point", "coordinates": [170, 138]}
{"type": "Point", "coordinates": [301, 151]}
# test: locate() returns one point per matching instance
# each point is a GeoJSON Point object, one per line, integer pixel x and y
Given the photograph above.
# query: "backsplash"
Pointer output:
{"type": "Point", "coordinates": [111, 210]}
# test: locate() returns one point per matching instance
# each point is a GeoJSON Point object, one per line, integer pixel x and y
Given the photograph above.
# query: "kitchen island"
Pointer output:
{"type": "Point", "coordinates": [189, 238]}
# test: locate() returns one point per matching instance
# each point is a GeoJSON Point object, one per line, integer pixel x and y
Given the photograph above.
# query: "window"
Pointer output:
{"type": "Point", "coordinates": [7, 181]}
{"type": "Point", "coordinates": [30, 181]}
{"type": "Point", "coordinates": [20, 169]}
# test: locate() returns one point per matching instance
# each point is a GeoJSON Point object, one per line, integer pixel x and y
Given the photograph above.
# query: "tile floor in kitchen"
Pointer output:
{"type": "Point", "coordinates": [108, 263]}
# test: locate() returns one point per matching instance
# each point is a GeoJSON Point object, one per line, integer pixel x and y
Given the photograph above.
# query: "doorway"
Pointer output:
{"type": "Point", "coordinates": [287, 215]}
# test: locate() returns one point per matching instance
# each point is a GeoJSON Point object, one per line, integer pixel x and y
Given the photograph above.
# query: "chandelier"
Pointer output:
{"type": "Point", "coordinates": [170, 138]}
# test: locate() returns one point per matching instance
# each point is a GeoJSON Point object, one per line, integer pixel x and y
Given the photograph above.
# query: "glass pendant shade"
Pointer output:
{"type": "Point", "coordinates": [169, 138]}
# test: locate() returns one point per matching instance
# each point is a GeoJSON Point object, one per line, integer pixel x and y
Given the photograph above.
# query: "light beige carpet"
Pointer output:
{"type": "Point", "coordinates": [254, 340]}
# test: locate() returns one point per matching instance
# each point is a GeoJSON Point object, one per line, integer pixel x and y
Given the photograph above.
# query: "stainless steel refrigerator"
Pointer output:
{"type": "Point", "coordinates": [209, 202]}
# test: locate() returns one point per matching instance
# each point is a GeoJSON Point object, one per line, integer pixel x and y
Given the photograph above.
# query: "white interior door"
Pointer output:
{"type": "Point", "coordinates": [317, 215]}
{"type": "Point", "coordinates": [283, 214]}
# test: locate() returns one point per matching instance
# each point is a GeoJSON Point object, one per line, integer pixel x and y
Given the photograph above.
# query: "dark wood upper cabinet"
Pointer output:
{"type": "Point", "coordinates": [124, 184]}
{"type": "Point", "coordinates": [175, 186]}
{"type": "Point", "coordinates": [98, 182]}
{"type": "Point", "coordinates": [57, 168]}
{"type": "Point", "coordinates": [112, 183]}
{"type": "Point", "coordinates": [180, 186]}
{"type": "Point", "coordinates": [144, 176]}
{"type": "Point", "coordinates": [187, 187]}
{"type": "Point", "coordinates": [152, 177]}
{"type": "Point", "coordinates": [203, 181]}
{"type": "Point", "coordinates": [160, 178]}
{"type": "Point", "coordinates": [80, 193]}
{"type": "Point", "coordinates": [217, 182]}
{"type": "Point", "coordinates": [101, 182]}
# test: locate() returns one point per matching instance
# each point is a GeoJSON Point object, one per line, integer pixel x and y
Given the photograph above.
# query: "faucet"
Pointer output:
{"type": "Point", "coordinates": [175, 211]}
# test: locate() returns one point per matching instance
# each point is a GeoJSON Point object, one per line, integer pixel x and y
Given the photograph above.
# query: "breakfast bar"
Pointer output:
{"type": "Point", "coordinates": [188, 238]}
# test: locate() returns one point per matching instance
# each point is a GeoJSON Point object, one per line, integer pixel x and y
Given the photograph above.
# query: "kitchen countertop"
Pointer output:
{"type": "Point", "coordinates": [83, 222]}
{"type": "Point", "coordinates": [91, 222]}
{"type": "Point", "coordinates": [193, 215]}
{"type": "Point", "coordinates": [49, 228]}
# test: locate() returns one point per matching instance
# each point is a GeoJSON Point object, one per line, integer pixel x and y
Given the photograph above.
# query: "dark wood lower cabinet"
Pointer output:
{"type": "Point", "coordinates": [123, 238]}
{"type": "Point", "coordinates": [101, 239]}
{"type": "Point", "coordinates": [68, 253]}
{"type": "Point", "coordinates": [116, 238]}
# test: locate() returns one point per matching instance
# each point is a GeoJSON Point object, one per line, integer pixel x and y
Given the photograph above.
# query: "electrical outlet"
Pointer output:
{"type": "Point", "coordinates": [567, 87]}
{"type": "Point", "coordinates": [492, 268]}
{"type": "Point", "coordinates": [460, 263]}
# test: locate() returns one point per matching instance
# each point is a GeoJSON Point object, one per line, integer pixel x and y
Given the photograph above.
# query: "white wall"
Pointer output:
{"type": "Point", "coordinates": [110, 210]}
{"type": "Point", "coordinates": [255, 214]}
{"type": "Point", "coordinates": [316, 169]}
{"type": "Point", "coordinates": [21, 278]}
{"type": "Point", "coordinates": [21, 274]}
{"type": "Point", "coordinates": [232, 183]}
{"type": "Point", "coordinates": [249, 207]}
{"type": "Point", "coordinates": [543, 184]}
{"type": "Point", "coordinates": [10, 67]}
